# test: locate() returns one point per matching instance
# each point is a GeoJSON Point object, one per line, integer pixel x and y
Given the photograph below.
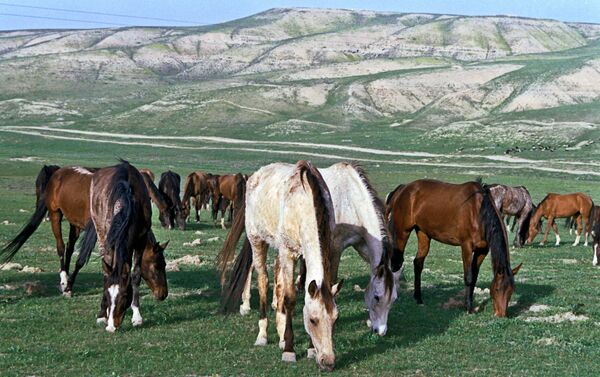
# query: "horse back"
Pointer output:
{"type": "Point", "coordinates": [68, 191]}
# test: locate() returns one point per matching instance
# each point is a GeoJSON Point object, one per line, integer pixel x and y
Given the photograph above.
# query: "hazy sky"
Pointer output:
{"type": "Point", "coordinates": [195, 12]}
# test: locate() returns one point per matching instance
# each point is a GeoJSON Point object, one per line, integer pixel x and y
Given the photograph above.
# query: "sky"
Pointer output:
{"type": "Point", "coordinates": [26, 14]}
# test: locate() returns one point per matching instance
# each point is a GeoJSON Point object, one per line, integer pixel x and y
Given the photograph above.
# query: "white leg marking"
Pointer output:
{"type": "Point", "coordinates": [576, 240]}
{"type": "Point", "coordinates": [288, 357]}
{"type": "Point", "coordinates": [311, 353]}
{"type": "Point", "coordinates": [261, 339]}
{"type": "Point", "coordinates": [113, 291]}
{"type": "Point", "coordinates": [136, 320]}
{"type": "Point", "coordinates": [280, 320]}
{"type": "Point", "coordinates": [557, 240]}
{"type": "Point", "coordinates": [101, 320]}
{"type": "Point", "coordinates": [223, 223]}
{"type": "Point", "coordinates": [586, 239]}
{"type": "Point", "coordinates": [245, 308]}
{"type": "Point", "coordinates": [595, 261]}
{"type": "Point", "coordinates": [64, 279]}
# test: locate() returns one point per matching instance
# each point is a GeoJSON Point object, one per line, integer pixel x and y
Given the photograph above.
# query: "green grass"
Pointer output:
{"type": "Point", "coordinates": [46, 334]}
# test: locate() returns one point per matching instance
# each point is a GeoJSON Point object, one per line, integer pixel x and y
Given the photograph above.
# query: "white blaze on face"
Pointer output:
{"type": "Point", "coordinates": [113, 291]}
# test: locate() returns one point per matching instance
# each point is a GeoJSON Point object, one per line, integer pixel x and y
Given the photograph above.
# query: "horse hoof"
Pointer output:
{"type": "Point", "coordinates": [68, 294]}
{"type": "Point", "coordinates": [101, 321]}
{"type": "Point", "coordinates": [110, 329]}
{"type": "Point", "coordinates": [281, 344]}
{"type": "Point", "coordinates": [288, 357]}
{"type": "Point", "coordinates": [311, 353]}
{"type": "Point", "coordinates": [274, 306]}
{"type": "Point", "coordinates": [244, 310]}
{"type": "Point", "coordinates": [137, 321]}
{"type": "Point", "coordinates": [261, 342]}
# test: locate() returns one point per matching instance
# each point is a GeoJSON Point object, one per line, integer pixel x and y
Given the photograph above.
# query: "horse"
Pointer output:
{"type": "Point", "coordinates": [169, 186]}
{"type": "Point", "coordinates": [560, 206]}
{"type": "Point", "coordinates": [595, 224]}
{"type": "Point", "coordinates": [149, 173]}
{"type": "Point", "coordinates": [121, 219]}
{"type": "Point", "coordinates": [165, 212]}
{"type": "Point", "coordinates": [289, 208]}
{"type": "Point", "coordinates": [224, 193]}
{"type": "Point", "coordinates": [62, 192]}
{"type": "Point", "coordinates": [512, 201]}
{"type": "Point", "coordinates": [459, 215]}
{"type": "Point", "coordinates": [195, 188]}
{"type": "Point", "coordinates": [360, 224]}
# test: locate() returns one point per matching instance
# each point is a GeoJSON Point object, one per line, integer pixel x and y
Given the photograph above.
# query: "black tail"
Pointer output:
{"type": "Point", "coordinates": [239, 224]}
{"type": "Point", "coordinates": [86, 245]}
{"type": "Point", "coordinates": [569, 221]}
{"type": "Point", "coordinates": [495, 233]}
{"type": "Point", "coordinates": [9, 251]}
{"type": "Point", "coordinates": [524, 229]}
{"type": "Point", "coordinates": [117, 238]}
{"type": "Point", "coordinates": [232, 291]}
{"type": "Point", "coordinates": [42, 180]}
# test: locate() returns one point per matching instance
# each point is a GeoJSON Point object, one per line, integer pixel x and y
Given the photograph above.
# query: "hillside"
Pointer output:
{"type": "Point", "coordinates": [495, 83]}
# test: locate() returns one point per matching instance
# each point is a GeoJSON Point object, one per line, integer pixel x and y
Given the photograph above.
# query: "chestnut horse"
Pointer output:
{"type": "Point", "coordinates": [560, 206]}
{"type": "Point", "coordinates": [224, 194]}
{"type": "Point", "coordinates": [289, 208]}
{"type": "Point", "coordinates": [169, 186]}
{"type": "Point", "coordinates": [121, 219]}
{"type": "Point", "coordinates": [196, 189]}
{"type": "Point", "coordinates": [512, 201]}
{"type": "Point", "coordinates": [459, 215]}
{"type": "Point", "coordinates": [62, 192]}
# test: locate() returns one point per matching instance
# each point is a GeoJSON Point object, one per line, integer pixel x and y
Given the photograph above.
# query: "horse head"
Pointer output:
{"type": "Point", "coordinates": [154, 268]}
{"type": "Point", "coordinates": [380, 294]}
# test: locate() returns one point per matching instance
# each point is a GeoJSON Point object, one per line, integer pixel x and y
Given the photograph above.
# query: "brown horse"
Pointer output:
{"type": "Point", "coordinates": [595, 224]}
{"type": "Point", "coordinates": [460, 215]}
{"type": "Point", "coordinates": [512, 201]}
{"type": "Point", "coordinates": [224, 193]}
{"type": "Point", "coordinates": [169, 186]}
{"type": "Point", "coordinates": [121, 219]}
{"type": "Point", "coordinates": [165, 214]}
{"type": "Point", "coordinates": [61, 193]}
{"type": "Point", "coordinates": [560, 206]}
{"type": "Point", "coordinates": [196, 189]}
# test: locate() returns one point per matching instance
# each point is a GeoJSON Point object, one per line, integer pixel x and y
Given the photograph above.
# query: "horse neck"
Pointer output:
{"type": "Point", "coordinates": [188, 189]}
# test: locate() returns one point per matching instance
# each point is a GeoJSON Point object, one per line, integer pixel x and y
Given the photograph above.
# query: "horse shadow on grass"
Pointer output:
{"type": "Point", "coordinates": [409, 323]}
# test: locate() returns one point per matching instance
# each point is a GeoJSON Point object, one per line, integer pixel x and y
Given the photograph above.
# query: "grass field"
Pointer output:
{"type": "Point", "coordinates": [43, 333]}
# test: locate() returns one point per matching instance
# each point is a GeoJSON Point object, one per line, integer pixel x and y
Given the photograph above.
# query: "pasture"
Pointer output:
{"type": "Point", "coordinates": [553, 326]}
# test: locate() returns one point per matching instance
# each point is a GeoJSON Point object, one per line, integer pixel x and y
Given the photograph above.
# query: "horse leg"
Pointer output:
{"type": "Point", "coordinates": [476, 258]}
{"type": "Point", "coordinates": [515, 218]}
{"type": "Point", "coordinates": [259, 258]}
{"type": "Point", "coordinates": [136, 277]}
{"type": "Point", "coordinates": [555, 229]}
{"type": "Point", "coordinates": [245, 307]}
{"type": "Point", "coordinates": [578, 231]}
{"type": "Point", "coordinates": [102, 317]}
{"type": "Point", "coordinates": [548, 226]}
{"type": "Point", "coordinates": [424, 241]}
{"type": "Point", "coordinates": [587, 228]}
{"type": "Point", "coordinates": [287, 305]}
{"type": "Point", "coordinates": [73, 236]}
{"type": "Point", "coordinates": [56, 218]}
{"type": "Point", "coordinates": [198, 207]}
{"type": "Point", "coordinates": [301, 280]}
{"type": "Point", "coordinates": [276, 285]}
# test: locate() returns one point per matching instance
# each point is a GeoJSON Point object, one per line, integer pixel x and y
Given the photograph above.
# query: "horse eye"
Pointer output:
{"type": "Point", "coordinates": [314, 321]}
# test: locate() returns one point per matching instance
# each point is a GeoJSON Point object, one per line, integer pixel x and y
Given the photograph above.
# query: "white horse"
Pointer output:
{"type": "Point", "coordinates": [289, 208]}
{"type": "Point", "coordinates": [360, 224]}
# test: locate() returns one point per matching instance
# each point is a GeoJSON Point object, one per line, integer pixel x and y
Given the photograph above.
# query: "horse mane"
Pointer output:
{"type": "Point", "coordinates": [118, 233]}
{"type": "Point", "coordinates": [188, 187]}
{"type": "Point", "coordinates": [324, 213]}
{"type": "Point", "coordinates": [495, 232]}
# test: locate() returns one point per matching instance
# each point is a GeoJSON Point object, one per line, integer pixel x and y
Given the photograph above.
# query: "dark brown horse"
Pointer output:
{"type": "Point", "coordinates": [196, 189]}
{"type": "Point", "coordinates": [224, 193]}
{"type": "Point", "coordinates": [561, 206]}
{"type": "Point", "coordinates": [61, 193]}
{"type": "Point", "coordinates": [512, 201]}
{"type": "Point", "coordinates": [165, 212]}
{"type": "Point", "coordinates": [121, 219]}
{"type": "Point", "coordinates": [169, 186]}
{"type": "Point", "coordinates": [460, 215]}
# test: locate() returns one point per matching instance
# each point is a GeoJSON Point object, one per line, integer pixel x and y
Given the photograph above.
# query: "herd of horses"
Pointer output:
{"type": "Point", "coordinates": [310, 216]}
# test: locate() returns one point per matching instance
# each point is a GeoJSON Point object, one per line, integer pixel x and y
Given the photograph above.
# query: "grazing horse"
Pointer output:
{"type": "Point", "coordinates": [560, 206]}
{"type": "Point", "coordinates": [595, 224]}
{"type": "Point", "coordinates": [360, 224]}
{"type": "Point", "coordinates": [195, 188]}
{"type": "Point", "coordinates": [165, 212]}
{"type": "Point", "coordinates": [289, 208]}
{"type": "Point", "coordinates": [169, 186]}
{"type": "Point", "coordinates": [224, 193]}
{"type": "Point", "coordinates": [512, 201]}
{"type": "Point", "coordinates": [62, 192]}
{"type": "Point", "coordinates": [121, 219]}
{"type": "Point", "coordinates": [460, 215]}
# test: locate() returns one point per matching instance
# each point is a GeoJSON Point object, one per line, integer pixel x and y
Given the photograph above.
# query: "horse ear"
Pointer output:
{"type": "Point", "coordinates": [516, 269]}
{"type": "Point", "coordinates": [164, 245]}
{"type": "Point", "coordinates": [337, 287]}
{"type": "Point", "coordinates": [313, 290]}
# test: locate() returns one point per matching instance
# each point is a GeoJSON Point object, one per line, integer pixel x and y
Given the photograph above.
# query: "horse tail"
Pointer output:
{"type": "Point", "coordinates": [495, 232]}
{"type": "Point", "coordinates": [86, 245]}
{"type": "Point", "coordinates": [590, 219]}
{"type": "Point", "coordinates": [117, 238]}
{"type": "Point", "coordinates": [235, 233]}
{"type": "Point", "coordinates": [10, 249]}
{"type": "Point", "coordinates": [42, 180]}
{"type": "Point", "coordinates": [232, 291]}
